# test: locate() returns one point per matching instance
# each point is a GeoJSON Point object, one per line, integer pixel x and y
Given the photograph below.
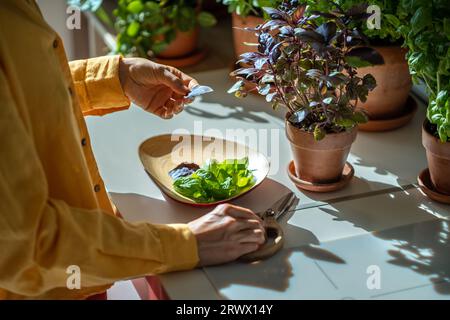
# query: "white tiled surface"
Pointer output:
{"type": "Point", "coordinates": [123, 290]}
{"type": "Point", "coordinates": [116, 138]}
{"type": "Point", "coordinates": [373, 201]}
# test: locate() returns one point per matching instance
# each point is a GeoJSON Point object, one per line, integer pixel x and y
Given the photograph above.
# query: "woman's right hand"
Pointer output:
{"type": "Point", "coordinates": [226, 233]}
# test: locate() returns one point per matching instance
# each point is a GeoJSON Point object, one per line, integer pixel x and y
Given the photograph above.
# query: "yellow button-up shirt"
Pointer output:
{"type": "Point", "coordinates": [54, 210]}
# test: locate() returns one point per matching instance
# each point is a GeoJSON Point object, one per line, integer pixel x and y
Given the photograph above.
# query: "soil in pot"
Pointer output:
{"type": "Point", "coordinates": [388, 99]}
{"type": "Point", "coordinates": [438, 157]}
{"type": "Point", "coordinates": [321, 161]}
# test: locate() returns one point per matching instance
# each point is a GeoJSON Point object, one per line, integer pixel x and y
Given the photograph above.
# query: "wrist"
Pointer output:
{"type": "Point", "coordinates": [123, 72]}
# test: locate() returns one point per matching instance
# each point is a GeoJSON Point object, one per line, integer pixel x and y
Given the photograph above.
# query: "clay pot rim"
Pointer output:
{"type": "Point", "coordinates": [433, 144]}
{"type": "Point", "coordinates": [250, 15]}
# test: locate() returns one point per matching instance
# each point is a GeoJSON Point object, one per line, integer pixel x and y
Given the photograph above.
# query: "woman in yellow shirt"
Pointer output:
{"type": "Point", "coordinates": [54, 210]}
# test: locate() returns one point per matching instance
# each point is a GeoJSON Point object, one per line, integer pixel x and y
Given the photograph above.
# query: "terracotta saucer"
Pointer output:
{"type": "Point", "coordinates": [427, 187]}
{"type": "Point", "coordinates": [393, 123]}
{"type": "Point", "coordinates": [185, 61]}
{"type": "Point", "coordinates": [347, 175]}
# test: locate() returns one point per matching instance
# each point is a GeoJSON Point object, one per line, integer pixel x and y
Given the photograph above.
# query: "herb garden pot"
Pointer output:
{"type": "Point", "coordinates": [438, 157]}
{"type": "Point", "coordinates": [184, 44]}
{"type": "Point", "coordinates": [388, 100]}
{"type": "Point", "coordinates": [240, 37]}
{"type": "Point", "coordinates": [323, 161]}
{"type": "Point", "coordinates": [183, 51]}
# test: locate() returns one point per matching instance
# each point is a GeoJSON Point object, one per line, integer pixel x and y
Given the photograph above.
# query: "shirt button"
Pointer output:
{"type": "Point", "coordinates": [70, 91]}
{"type": "Point", "coordinates": [83, 142]}
{"type": "Point", "coordinates": [97, 188]}
{"type": "Point", "coordinates": [55, 43]}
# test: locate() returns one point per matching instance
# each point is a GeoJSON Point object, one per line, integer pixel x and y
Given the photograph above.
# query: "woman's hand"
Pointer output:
{"type": "Point", "coordinates": [156, 88]}
{"type": "Point", "coordinates": [226, 233]}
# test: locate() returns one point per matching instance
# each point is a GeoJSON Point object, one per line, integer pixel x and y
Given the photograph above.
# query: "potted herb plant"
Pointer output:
{"type": "Point", "coordinates": [309, 68]}
{"type": "Point", "coordinates": [246, 14]}
{"type": "Point", "coordinates": [163, 28]}
{"type": "Point", "coordinates": [427, 36]}
{"type": "Point", "coordinates": [388, 106]}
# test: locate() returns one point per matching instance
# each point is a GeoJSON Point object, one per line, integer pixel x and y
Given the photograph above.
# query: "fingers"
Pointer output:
{"type": "Point", "coordinates": [165, 103]}
{"type": "Point", "coordinates": [239, 212]}
{"type": "Point", "coordinates": [188, 81]}
{"type": "Point", "coordinates": [249, 236]}
{"type": "Point", "coordinates": [173, 78]}
{"type": "Point", "coordinates": [241, 224]}
{"type": "Point", "coordinates": [160, 98]}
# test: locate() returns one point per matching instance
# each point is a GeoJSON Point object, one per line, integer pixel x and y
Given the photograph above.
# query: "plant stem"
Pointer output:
{"type": "Point", "coordinates": [280, 92]}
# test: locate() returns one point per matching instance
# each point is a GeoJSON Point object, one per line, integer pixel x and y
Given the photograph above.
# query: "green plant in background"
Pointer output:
{"type": "Point", "coordinates": [145, 28]}
{"type": "Point", "coordinates": [390, 19]}
{"type": "Point", "coordinates": [249, 7]}
{"type": "Point", "coordinates": [427, 36]}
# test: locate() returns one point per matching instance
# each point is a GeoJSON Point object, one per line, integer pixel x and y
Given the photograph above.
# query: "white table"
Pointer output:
{"type": "Point", "coordinates": [331, 238]}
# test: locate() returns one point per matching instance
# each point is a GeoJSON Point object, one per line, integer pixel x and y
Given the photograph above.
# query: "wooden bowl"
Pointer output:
{"type": "Point", "coordinates": [161, 154]}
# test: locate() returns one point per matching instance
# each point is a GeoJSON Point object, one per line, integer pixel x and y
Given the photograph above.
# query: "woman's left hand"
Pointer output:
{"type": "Point", "coordinates": [156, 88]}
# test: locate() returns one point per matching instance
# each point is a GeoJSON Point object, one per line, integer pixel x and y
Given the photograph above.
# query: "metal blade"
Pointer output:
{"type": "Point", "coordinates": [281, 206]}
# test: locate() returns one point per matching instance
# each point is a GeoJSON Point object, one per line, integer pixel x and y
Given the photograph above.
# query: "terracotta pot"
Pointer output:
{"type": "Point", "coordinates": [438, 156]}
{"type": "Point", "coordinates": [388, 99]}
{"type": "Point", "coordinates": [241, 36]}
{"type": "Point", "coordinates": [183, 44]}
{"type": "Point", "coordinates": [319, 161]}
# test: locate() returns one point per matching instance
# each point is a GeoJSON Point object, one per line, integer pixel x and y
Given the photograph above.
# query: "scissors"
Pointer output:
{"type": "Point", "coordinates": [274, 233]}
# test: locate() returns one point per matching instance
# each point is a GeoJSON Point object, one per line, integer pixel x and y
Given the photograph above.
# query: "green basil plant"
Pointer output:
{"type": "Point", "coordinates": [427, 36]}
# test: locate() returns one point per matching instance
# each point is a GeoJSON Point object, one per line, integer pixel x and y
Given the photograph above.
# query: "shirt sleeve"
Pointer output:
{"type": "Point", "coordinates": [98, 86]}
{"type": "Point", "coordinates": [40, 237]}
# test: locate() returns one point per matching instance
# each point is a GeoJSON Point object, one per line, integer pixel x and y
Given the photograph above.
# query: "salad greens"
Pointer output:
{"type": "Point", "coordinates": [216, 181]}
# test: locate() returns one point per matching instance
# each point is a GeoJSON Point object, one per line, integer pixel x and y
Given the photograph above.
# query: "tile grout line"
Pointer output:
{"type": "Point", "coordinates": [219, 295]}
{"type": "Point", "coordinates": [326, 275]}
{"type": "Point", "coordinates": [355, 197]}
{"type": "Point", "coordinates": [405, 289]}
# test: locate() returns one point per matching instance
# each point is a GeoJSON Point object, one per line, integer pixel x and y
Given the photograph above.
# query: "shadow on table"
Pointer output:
{"type": "Point", "coordinates": [240, 109]}
{"type": "Point", "coordinates": [273, 273]}
{"type": "Point", "coordinates": [353, 190]}
{"type": "Point", "coordinates": [422, 247]}
{"type": "Point", "coordinates": [237, 113]}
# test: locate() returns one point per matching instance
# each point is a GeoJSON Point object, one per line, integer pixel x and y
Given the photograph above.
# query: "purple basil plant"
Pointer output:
{"type": "Point", "coordinates": [306, 61]}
